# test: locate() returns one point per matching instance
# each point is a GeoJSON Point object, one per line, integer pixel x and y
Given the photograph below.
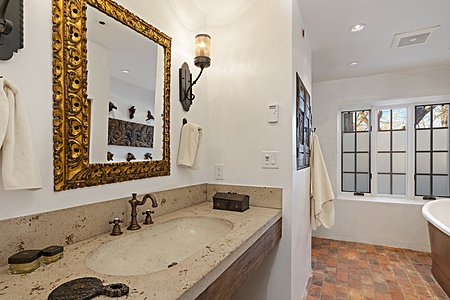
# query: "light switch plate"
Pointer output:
{"type": "Point", "coordinates": [270, 159]}
{"type": "Point", "coordinates": [272, 113]}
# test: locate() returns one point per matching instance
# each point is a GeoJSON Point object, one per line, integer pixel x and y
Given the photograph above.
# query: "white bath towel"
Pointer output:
{"type": "Point", "coordinates": [20, 169]}
{"type": "Point", "coordinates": [322, 196]}
{"type": "Point", "coordinates": [189, 150]}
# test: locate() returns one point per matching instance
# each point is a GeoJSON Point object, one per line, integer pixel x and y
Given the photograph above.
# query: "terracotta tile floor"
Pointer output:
{"type": "Point", "coordinates": [346, 270]}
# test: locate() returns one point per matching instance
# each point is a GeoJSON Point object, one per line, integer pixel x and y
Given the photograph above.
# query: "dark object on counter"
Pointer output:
{"type": "Point", "coordinates": [87, 288]}
{"type": "Point", "coordinates": [52, 254]}
{"type": "Point", "coordinates": [24, 261]}
{"type": "Point", "coordinates": [116, 228]}
{"type": "Point", "coordinates": [231, 201]}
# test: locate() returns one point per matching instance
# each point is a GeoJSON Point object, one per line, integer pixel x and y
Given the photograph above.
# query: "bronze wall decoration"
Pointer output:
{"type": "Point", "coordinates": [303, 124]}
{"type": "Point", "coordinates": [150, 116]}
{"type": "Point", "coordinates": [112, 106]}
{"type": "Point", "coordinates": [124, 133]}
{"type": "Point", "coordinates": [130, 157]}
{"type": "Point", "coordinates": [132, 111]}
{"type": "Point", "coordinates": [70, 105]}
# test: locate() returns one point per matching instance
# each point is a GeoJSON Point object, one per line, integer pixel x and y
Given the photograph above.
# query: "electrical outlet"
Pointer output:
{"type": "Point", "coordinates": [219, 171]}
{"type": "Point", "coordinates": [270, 159]}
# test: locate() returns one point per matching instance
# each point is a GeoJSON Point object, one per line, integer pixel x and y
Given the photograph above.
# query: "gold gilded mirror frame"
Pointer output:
{"type": "Point", "coordinates": [70, 104]}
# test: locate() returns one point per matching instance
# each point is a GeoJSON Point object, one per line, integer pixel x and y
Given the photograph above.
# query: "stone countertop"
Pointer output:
{"type": "Point", "coordinates": [184, 281]}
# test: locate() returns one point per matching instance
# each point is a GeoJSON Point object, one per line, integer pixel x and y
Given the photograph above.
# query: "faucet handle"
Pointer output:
{"type": "Point", "coordinates": [148, 216]}
{"type": "Point", "coordinates": [116, 228]}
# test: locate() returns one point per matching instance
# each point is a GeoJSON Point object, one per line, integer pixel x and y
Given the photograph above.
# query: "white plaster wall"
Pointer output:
{"type": "Point", "coordinates": [301, 230]}
{"type": "Point", "coordinates": [252, 67]}
{"type": "Point", "coordinates": [364, 221]}
{"type": "Point", "coordinates": [31, 71]}
{"type": "Point", "coordinates": [99, 84]}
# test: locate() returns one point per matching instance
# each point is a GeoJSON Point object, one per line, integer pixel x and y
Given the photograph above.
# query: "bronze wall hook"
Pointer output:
{"type": "Point", "coordinates": [150, 116]}
{"type": "Point", "coordinates": [130, 157]}
{"type": "Point", "coordinates": [132, 110]}
{"type": "Point", "coordinates": [112, 106]}
{"type": "Point", "coordinates": [109, 156]}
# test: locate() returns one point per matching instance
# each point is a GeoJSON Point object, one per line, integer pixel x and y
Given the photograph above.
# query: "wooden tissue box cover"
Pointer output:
{"type": "Point", "coordinates": [231, 201]}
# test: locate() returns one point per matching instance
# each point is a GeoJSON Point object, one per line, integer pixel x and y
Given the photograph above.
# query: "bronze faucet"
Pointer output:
{"type": "Point", "coordinates": [134, 203]}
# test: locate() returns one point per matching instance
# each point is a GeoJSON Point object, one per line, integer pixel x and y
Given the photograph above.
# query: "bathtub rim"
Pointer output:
{"type": "Point", "coordinates": [432, 219]}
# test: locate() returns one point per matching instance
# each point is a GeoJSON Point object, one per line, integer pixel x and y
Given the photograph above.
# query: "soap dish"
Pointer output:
{"type": "Point", "coordinates": [24, 261]}
{"type": "Point", "coordinates": [52, 254]}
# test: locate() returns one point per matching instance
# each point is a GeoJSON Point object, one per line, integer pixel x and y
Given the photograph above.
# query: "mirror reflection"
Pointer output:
{"type": "Point", "coordinates": [125, 91]}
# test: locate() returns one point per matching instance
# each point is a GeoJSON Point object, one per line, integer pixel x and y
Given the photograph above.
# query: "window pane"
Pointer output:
{"type": "Point", "coordinates": [348, 162]}
{"type": "Point", "coordinates": [362, 121]}
{"type": "Point", "coordinates": [362, 162]}
{"type": "Point", "coordinates": [440, 139]}
{"type": "Point", "coordinates": [423, 185]}
{"type": "Point", "coordinates": [399, 163]}
{"type": "Point", "coordinates": [349, 121]}
{"type": "Point", "coordinates": [383, 162]}
{"type": "Point", "coordinates": [399, 140]}
{"type": "Point", "coordinates": [384, 184]}
{"type": "Point", "coordinates": [423, 116]}
{"type": "Point", "coordinates": [399, 118]}
{"type": "Point", "coordinates": [348, 142]}
{"type": "Point", "coordinates": [440, 186]}
{"type": "Point", "coordinates": [362, 183]}
{"type": "Point", "coordinates": [440, 116]}
{"type": "Point", "coordinates": [348, 183]}
{"type": "Point", "coordinates": [384, 141]}
{"type": "Point", "coordinates": [399, 184]}
{"type": "Point", "coordinates": [384, 119]}
{"type": "Point", "coordinates": [362, 140]}
{"type": "Point", "coordinates": [440, 163]}
{"type": "Point", "coordinates": [423, 140]}
{"type": "Point", "coordinates": [423, 162]}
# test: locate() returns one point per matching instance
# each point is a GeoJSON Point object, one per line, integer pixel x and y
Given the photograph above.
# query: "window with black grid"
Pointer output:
{"type": "Point", "coordinates": [355, 151]}
{"type": "Point", "coordinates": [432, 150]}
{"type": "Point", "coordinates": [391, 145]}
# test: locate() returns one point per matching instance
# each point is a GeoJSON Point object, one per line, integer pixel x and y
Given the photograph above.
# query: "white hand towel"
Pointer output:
{"type": "Point", "coordinates": [322, 196]}
{"type": "Point", "coordinates": [189, 150]}
{"type": "Point", "coordinates": [20, 168]}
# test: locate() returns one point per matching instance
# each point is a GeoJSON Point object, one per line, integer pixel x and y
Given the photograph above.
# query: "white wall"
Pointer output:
{"type": "Point", "coordinates": [252, 67]}
{"type": "Point", "coordinates": [31, 71]}
{"type": "Point", "coordinates": [301, 230]}
{"type": "Point", "coordinates": [99, 84]}
{"type": "Point", "coordinates": [361, 220]}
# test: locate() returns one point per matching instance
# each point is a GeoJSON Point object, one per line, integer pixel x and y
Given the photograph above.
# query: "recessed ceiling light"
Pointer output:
{"type": "Point", "coordinates": [353, 63]}
{"type": "Point", "coordinates": [102, 23]}
{"type": "Point", "coordinates": [126, 71]}
{"type": "Point", "coordinates": [357, 28]}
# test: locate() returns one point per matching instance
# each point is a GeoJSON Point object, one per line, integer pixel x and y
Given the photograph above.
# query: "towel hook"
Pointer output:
{"type": "Point", "coordinates": [184, 121]}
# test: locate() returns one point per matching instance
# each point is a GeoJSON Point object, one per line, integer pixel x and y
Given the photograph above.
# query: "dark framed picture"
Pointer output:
{"type": "Point", "coordinates": [303, 124]}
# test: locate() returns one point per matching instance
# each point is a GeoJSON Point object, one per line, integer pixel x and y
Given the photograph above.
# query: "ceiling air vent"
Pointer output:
{"type": "Point", "coordinates": [410, 38]}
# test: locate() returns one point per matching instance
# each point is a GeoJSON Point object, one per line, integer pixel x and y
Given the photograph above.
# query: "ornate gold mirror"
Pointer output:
{"type": "Point", "coordinates": [111, 95]}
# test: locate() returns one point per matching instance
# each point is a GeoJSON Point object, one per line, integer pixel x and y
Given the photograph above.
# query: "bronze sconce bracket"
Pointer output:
{"type": "Point", "coordinates": [186, 96]}
{"type": "Point", "coordinates": [11, 28]}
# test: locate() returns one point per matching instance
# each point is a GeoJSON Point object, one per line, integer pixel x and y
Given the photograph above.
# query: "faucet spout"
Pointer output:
{"type": "Point", "coordinates": [152, 198]}
{"type": "Point", "coordinates": [134, 202]}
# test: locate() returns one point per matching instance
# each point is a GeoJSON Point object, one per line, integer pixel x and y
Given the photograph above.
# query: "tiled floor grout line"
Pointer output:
{"type": "Point", "coordinates": [348, 270]}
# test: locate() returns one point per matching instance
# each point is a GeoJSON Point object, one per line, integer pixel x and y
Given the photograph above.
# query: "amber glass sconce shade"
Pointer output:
{"type": "Point", "coordinates": [202, 60]}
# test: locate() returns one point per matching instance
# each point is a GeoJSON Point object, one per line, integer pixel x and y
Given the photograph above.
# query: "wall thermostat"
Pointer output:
{"type": "Point", "coordinates": [272, 113]}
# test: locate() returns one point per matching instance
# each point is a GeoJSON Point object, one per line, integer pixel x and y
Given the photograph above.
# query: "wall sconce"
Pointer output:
{"type": "Point", "coordinates": [202, 60]}
{"type": "Point", "coordinates": [11, 28]}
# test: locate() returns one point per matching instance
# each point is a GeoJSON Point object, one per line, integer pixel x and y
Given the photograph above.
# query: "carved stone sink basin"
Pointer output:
{"type": "Point", "coordinates": [155, 247]}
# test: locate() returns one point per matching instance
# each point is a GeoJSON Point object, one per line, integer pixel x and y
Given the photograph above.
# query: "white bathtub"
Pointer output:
{"type": "Point", "coordinates": [437, 213]}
